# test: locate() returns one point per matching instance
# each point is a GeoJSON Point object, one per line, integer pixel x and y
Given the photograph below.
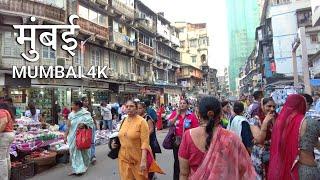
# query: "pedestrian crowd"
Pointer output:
{"type": "Point", "coordinates": [210, 138]}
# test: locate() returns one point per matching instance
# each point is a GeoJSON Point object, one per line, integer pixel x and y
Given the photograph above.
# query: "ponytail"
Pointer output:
{"type": "Point", "coordinates": [209, 103]}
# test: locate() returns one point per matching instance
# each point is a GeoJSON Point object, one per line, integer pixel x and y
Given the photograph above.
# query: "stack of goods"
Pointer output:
{"type": "Point", "coordinates": [22, 170]}
{"type": "Point", "coordinates": [42, 159]}
{"type": "Point", "coordinates": [102, 137]}
{"type": "Point", "coordinates": [31, 140]}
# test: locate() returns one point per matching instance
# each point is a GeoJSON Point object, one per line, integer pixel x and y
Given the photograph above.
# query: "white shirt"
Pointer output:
{"type": "Point", "coordinates": [36, 117]}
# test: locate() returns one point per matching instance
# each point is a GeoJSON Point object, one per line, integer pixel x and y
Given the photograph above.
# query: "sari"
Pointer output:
{"type": "Point", "coordinates": [80, 159]}
{"type": "Point", "coordinates": [285, 139]}
{"type": "Point", "coordinates": [227, 158]}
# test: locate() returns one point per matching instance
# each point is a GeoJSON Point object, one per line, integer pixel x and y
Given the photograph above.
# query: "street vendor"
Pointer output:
{"type": "Point", "coordinates": [33, 113]}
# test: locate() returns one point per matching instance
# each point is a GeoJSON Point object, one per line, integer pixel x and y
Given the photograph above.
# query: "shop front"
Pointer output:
{"type": "Point", "coordinates": [154, 94]}
{"type": "Point", "coordinates": [172, 95]}
{"type": "Point", "coordinates": [129, 91]}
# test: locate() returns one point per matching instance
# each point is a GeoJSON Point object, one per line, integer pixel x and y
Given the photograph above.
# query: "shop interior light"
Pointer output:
{"type": "Point", "coordinates": [41, 92]}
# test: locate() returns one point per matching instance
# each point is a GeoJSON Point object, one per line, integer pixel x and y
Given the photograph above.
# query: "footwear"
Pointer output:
{"type": "Point", "coordinates": [93, 161]}
{"type": "Point", "coordinates": [72, 174]}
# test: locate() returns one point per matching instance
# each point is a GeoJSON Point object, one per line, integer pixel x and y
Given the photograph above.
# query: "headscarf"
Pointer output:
{"type": "Point", "coordinates": [285, 139]}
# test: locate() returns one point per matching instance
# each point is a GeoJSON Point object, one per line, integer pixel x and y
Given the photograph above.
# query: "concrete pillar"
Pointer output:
{"type": "Point", "coordinates": [295, 69]}
{"type": "Point", "coordinates": [305, 66]}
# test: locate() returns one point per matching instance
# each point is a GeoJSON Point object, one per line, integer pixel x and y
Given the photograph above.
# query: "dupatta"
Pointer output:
{"type": "Point", "coordinates": [227, 158]}
{"type": "Point", "coordinates": [285, 139]}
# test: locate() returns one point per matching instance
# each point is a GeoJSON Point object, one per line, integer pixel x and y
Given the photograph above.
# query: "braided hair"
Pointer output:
{"type": "Point", "coordinates": [207, 104]}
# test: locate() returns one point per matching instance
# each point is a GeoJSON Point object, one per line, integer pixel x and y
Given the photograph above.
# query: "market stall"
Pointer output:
{"type": "Point", "coordinates": [39, 146]}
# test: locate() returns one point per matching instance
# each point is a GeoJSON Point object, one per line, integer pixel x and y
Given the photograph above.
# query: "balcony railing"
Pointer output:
{"type": "Point", "coordinates": [33, 8]}
{"type": "Point", "coordinates": [100, 31]}
{"type": "Point", "coordinates": [123, 8]}
{"type": "Point", "coordinates": [102, 2]}
{"type": "Point", "coordinates": [143, 24]}
{"type": "Point", "coordinates": [123, 40]}
{"type": "Point", "coordinates": [145, 49]}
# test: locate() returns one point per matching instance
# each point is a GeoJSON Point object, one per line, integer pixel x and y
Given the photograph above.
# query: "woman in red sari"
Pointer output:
{"type": "Point", "coordinates": [285, 139]}
{"type": "Point", "coordinates": [210, 152]}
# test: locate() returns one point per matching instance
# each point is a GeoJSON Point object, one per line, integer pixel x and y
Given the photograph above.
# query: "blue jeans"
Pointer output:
{"type": "Point", "coordinates": [93, 146]}
{"type": "Point", "coordinates": [107, 123]}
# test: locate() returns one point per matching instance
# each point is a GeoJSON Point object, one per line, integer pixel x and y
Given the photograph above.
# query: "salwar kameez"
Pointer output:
{"type": "Point", "coordinates": [6, 138]}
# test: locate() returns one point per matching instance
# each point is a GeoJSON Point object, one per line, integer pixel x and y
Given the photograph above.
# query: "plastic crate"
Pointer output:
{"type": "Point", "coordinates": [23, 171]}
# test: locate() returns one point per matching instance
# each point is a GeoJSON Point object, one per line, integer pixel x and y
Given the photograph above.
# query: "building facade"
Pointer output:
{"type": "Point", "coordinates": [243, 18]}
{"type": "Point", "coordinates": [118, 34]}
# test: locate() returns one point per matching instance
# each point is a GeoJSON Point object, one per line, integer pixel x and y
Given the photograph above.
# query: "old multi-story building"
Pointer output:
{"type": "Point", "coordinates": [118, 34]}
{"type": "Point", "coordinates": [194, 44]}
{"type": "Point", "coordinates": [167, 58]}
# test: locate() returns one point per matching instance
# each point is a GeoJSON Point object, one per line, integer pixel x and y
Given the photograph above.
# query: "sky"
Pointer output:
{"type": "Point", "coordinates": [214, 13]}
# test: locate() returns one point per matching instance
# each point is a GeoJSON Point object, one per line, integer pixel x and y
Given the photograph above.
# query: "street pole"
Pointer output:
{"type": "Point", "coordinates": [305, 64]}
{"type": "Point", "coordinates": [295, 69]}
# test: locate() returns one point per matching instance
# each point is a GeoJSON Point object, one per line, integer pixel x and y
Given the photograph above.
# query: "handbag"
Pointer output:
{"type": "Point", "coordinates": [169, 140]}
{"type": "Point", "coordinates": [114, 152]}
{"type": "Point", "coordinates": [83, 138]}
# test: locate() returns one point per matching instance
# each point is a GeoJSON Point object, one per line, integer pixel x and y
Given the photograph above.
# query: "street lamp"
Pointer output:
{"type": "Point", "coordinates": [92, 37]}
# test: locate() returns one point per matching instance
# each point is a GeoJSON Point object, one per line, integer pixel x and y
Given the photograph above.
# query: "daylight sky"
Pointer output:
{"type": "Point", "coordinates": [211, 12]}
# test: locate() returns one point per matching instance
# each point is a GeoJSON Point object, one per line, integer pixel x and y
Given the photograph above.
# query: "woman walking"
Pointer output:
{"type": "Point", "coordinates": [210, 152]}
{"type": "Point", "coordinates": [135, 148]}
{"type": "Point", "coordinates": [183, 120]}
{"type": "Point", "coordinates": [292, 132]}
{"type": "Point", "coordinates": [6, 138]}
{"type": "Point", "coordinates": [261, 125]}
{"type": "Point", "coordinates": [153, 141]}
{"type": "Point", "coordinates": [78, 118]}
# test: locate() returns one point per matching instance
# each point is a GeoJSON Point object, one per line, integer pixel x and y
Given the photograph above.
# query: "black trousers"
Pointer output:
{"type": "Point", "coordinates": [176, 166]}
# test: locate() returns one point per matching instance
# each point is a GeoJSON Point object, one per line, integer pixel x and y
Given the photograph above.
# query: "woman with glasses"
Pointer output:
{"type": "Point", "coordinates": [261, 124]}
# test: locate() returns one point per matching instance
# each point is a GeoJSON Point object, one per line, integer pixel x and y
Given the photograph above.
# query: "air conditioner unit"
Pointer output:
{"type": "Point", "coordinates": [110, 72]}
{"type": "Point", "coordinates": [133, 77]}
{"type": "Point", "coordinates": [65, 62]}
{"type": "Point", "coordinates": [122, 18]}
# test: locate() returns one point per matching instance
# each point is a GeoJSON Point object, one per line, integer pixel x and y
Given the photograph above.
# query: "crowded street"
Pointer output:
{"type": "Point", "coordinates": [160, 90]}
{"type": "Point", "coordinates": [106, 168]}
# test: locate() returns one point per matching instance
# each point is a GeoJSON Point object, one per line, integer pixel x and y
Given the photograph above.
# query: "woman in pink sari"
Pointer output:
{"type": "Point", "coordinates": [286, 160]}
{"type": "Point", "coordinates": [210, 152]}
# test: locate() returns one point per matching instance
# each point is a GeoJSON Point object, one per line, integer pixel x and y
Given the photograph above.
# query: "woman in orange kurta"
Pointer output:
{"type": "Point", "coordinates": [135, 150]}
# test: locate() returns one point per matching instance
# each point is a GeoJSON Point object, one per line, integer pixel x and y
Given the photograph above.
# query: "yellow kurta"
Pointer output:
{"type": "Point", "coordinates": [133, 136]}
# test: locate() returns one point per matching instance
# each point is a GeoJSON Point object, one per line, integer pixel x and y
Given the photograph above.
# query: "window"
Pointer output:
{"type": "Point", "coordinates": [314, 38]}
{"type": "Point", "coordinates": [92, 16]}
{"type": "Point", "coordinates": [194, 43]}
{"type": "Point", "coordinates": [48, 53]}
{"type": "Point", "coordinates": [77, 59]}
{"type": "Point", "coordinates": [203, 41]}
{"type": "Point", "coordinates": [10, 46]}
{"type": "Point", "coordinates": [83, 12]}
{"type": "Point", "coordinates": [304, 18]}
{"type": "Point", "coordinates": [194, 59]}
{"type": "Point", "coordinates": [95, 57]}
{"type": "Point", "coordinates": [278, 2]}
{"type": "Point", "coordinates": [182, 44]}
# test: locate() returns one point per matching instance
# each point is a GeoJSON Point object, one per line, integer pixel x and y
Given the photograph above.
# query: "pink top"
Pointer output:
{"type": "Point", "coordinates": [190, 121]}
{"type": "Point", "coordinates": [188, 150]}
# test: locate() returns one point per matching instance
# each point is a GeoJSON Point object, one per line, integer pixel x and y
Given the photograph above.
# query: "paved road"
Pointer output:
{"type": "Point", "coordinates": [106, 168]}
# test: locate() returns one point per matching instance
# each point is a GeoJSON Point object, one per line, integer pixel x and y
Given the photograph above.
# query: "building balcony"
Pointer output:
{"type": "Point", "coordinates": [28, 8]}
{"type": "Point", "coordinates": [175, 41]}
{"type": "Point", "coordinates": [145, 49]}
{"type": "Point", "coordinates": [92, 28]}
{"type": "Point", "coordinates": [123, 40]}
{"type": "Point", "coordinates": [123, 9]}
{"type": "Point", "coordinates": [102, 2]}
{"type": "Point", "coordinates": [142, 24]}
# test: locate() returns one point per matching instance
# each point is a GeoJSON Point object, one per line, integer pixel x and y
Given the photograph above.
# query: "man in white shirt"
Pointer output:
{"type": "Point", "coordinates": [106, 115]}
